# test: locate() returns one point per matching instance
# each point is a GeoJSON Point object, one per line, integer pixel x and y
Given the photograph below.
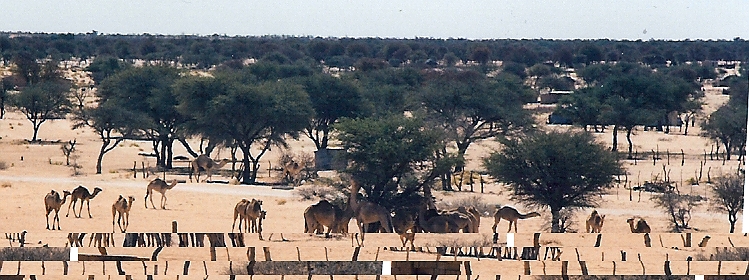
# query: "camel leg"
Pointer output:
{"type": "Point", "coordinates": [57, 217]}
{"type": "Point", "coordinates": [509, 228]}
{"type": "Point", "coordinates": [48, 220]}
{"type": "Point", "coordinates": [113, 213]}
{"type": "Point", "coordinates": [494, 227]}
{"type": "Point", "coordinates": [70, 205]}
{"type": "Point", "coordinates": [516, 226]}
{"type": "Point", "coordinates": [88, 207]}
{"type": "Point", "coordinates": [127, 220]}
{"type": "Point", "coordinates": [163, 202]}
{"type": "Point", "coordinates": [151, 199]}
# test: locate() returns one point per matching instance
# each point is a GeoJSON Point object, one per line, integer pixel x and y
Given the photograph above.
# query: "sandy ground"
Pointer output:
{"type": "Point", "coordinates": [35, 169]}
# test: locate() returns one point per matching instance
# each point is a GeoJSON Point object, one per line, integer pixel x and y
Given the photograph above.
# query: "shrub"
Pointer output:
{"type": "Point", "coordinates": [3, 165]}
{"type": "Point", "coordinates": [475, 201]}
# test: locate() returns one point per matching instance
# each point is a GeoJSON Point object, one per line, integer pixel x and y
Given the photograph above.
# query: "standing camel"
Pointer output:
{"type": "Point", "coordinates": [594, 223]}
{"type": "Point", "coordinates": [642, 226]}
{"type": "Point", "coordinates": [52, 201]}
{"type": "Point", "coordinates": [293, 171]}
{"type": "Point", "coordinates": [512, 215]}
{"type": "Point", "coordinates": [160, 186]}
{"type": "Point", "coordinates": [82, 193]}
{"type": "Point", "coordinates": [367, 212]}
{"type": "Point", "coordinates": [122, 207]}
{"type": "Point", "coordinates": [205, 163]}
{"type": "Point", "coordinates": [248, 210]}
{"type": "Point", "coordinates": [318, 215]}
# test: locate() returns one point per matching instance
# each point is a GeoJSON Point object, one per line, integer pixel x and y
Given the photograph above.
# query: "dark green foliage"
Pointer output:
{"type": "Point", "coordinates": [332, 98]}
{"type": "Point", "coordinates": [104, 66]}
{"type": "Point", "coordinates": [392, 157]}
{"type": "Point", "coordinates": [555, 170]}
{"type": "Point", "coordinates": [43, 101]}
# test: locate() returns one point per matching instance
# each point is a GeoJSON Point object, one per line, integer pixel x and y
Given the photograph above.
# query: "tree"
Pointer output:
{"type": "Point", "coordinates": [386, 156]}
{"type": "Point", "coordinates": [148, 91]}
{"type": "Point", "coordinates": [111, 122]}
{"type": "Point", "coordinates": [728, 192]}
{"type": "Point", "coordinates": [252, 115]}
{"type": "Point", "coordinates": [727, 125]}
{"type": "Point", "coordinates": [104, 66]}
{"type": "Point", "coordinates": [554, 169]}
{"type": "Point", "coordinates": [43, 101]}
{"type": "Point", "coordinates": [332, 98]}
{"type": "Point", "coordinates": [469, 107]}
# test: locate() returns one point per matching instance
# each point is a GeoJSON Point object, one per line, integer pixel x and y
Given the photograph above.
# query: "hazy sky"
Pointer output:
{"type": "Point", "coordinates": [477, 19]}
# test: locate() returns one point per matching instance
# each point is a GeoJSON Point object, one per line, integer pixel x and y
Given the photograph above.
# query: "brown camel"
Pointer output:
{"type": "Point", "coordinates": [205, 163]}
{"type": "Point", "coordinates": [463, 221]}
{"type": "Point", "coordinates": [512, 215]}
{"type": "Point", "coordinates": [84, 195]}
{"type": "Point", "coordinates": [255, 215]}
{"type": "Point", "coordinates": [160, 186]}
{"type": "Point", "coordinates": [52, 201]}
{"type": "Point", "coordinates": [436, 223]}
{"type": "Point", "coordinates": [642, 226]}
{"type": "Point", "coordinates": [367, 212]}
{"type": "Point", "coordinates": [293, 171]}
{"type": "Point", "coordinates": [318, 215]}
{"type": "Point", "coordinates": [594, 223]}
{"type": "Point", "coordinates": [404, 223]}
{"type": "Point", "coordinates": [122, 207]}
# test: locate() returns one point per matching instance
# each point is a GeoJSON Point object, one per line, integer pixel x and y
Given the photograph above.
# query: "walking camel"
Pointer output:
{"type": "Point", "coordinates": [367, 212]}
{"type": "Point", "coordinates": [512, 215]}
{"type": "Point", "coordinates": [52, 201]}
{"type": "Point", "coordinates": [84, 195]}
{"type": "Point", "coordinates": [404, 223]}
{"type": "Point", "coordinates": [594, 223]}
{"type": "Point", "coordinates": [122, 208]}
{"type": "Point", "coordinates": [160, 186]}
{"type": "Point", "coordinates": [205, 163]}
{"type": "Point", "coordinates": [642, 226]}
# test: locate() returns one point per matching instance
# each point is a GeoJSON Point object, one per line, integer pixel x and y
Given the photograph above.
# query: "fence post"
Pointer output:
{"type": "Point", "coordinates": [174, 226]}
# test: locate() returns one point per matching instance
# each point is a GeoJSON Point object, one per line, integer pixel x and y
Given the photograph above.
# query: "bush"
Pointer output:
{"type": "Point", "coordinates": [726, 254]}
{"type": "Point", "coordinates": [3, 165]}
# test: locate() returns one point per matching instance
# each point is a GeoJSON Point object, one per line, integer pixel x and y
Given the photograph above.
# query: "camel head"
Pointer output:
{"type": "Point", "coordinates": [631, 221]}
{"type": "Point", "coordinates": [533, 214]}
{"type": "Point", "coordinates": [174, 183]}
{"type": "Point", "coordinates": [602, 219]}
{"type": "Point", "coordinates": [97, 190]}
{"type": "Point", "coordinates": [65, 194]}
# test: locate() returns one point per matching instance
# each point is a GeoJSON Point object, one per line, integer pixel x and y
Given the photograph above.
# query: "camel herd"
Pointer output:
{"type": "Point", "coordinates": [324, 217]}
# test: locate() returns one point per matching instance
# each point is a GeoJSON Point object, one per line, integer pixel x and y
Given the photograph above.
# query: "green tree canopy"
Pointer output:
{"type": "Point", "coordinates": [332, 98]}
{"type": "Point", "coordinates": [252, 116]}
{"type": "Point", "coordinates": [42, 101]}
{"type": "Point", "coordinates": [554, 169]}
{"type": "Point", "coordinates": [386, 156]}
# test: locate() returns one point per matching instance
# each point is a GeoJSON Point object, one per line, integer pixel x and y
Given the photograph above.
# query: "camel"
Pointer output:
{"type": "Point", "coordinates": [642, 226]}
{"type": "Point", "coordinates": [436, 224]}
{"type": "Point", "coordinates": [205, 163]}
{"type": "Point", "coordinates": [160, 186]}
{"type": "Point", "coordinates": [293, 171]}
{"type": "Point", "coordinates": [594, 223]}
{"type": "Point", "coordinates": [463, 221]}
{"type": "Point", "coordinates": [367, 212]}
{"type": "Point", "coordinates": [512, 215]}
{"type": "Point", "coordinates": [82, 193]}
{"type": "Point", "coordinates": [52, 201]}
{"type": "Point", "coordinates": [122, 207]}
{"type": "Point", "coordinates": [318, 215]}
{"type": "Point", "coordinates": [405, 225]}
{"type": "Point", "coordinates": [248, 210]}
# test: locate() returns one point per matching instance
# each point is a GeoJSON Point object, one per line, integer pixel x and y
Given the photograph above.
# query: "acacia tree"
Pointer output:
{"type": "Point", "coordinates": [148, 92]}
{"type": "Point", "coordinates": [253, 116]}
{"type": "Point", "coordinates": [43, 101]}
{"type": "Point", "coordinates": [729, 196]}
{"type": "Point", "coordinates": [332, 98]}
{"type": "Point", "coordinates": [392, 157]}
{"type": "Point", "coordinates": [111, 122]}
{"type": "Point", "coordinates": [554, 169]}
{"type": "Point", "coordinates": [470, 107]}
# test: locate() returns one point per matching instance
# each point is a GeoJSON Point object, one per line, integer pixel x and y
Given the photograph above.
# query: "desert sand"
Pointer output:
{"type": "Point", "coordinates": [32, 170]}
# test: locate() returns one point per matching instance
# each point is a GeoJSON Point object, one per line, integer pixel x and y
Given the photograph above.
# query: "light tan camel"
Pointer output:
{"type": "Point", "coordinates": [642, 226]}
{"type": "Point", "coordinates": [594, 223]}
{"type": "Point", "coordinates": [82, 193]}
{"type": "Point", "coordinates": [205, 163]}
{"type": "Point", "coordinates": [293, 171]}
{"type": "Point", "coordinates": [463, 221]}
{"type": "Point", "coordinates": [512, 215]}
{"type": "Point", "coordinates": [52, 201]}
{"type": "Point", "coordinates": [239, 212]}
{"type": "Point", "coordinates": [472, 214]}
{"type": "Point", "coordinates": [367, 212]}
{"type": "Point", "coordinates": [122, 208]}
{"type": "Point", "coordinates": [160, 186]}
{"type": "Point", "coordinates": [318, 215]}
